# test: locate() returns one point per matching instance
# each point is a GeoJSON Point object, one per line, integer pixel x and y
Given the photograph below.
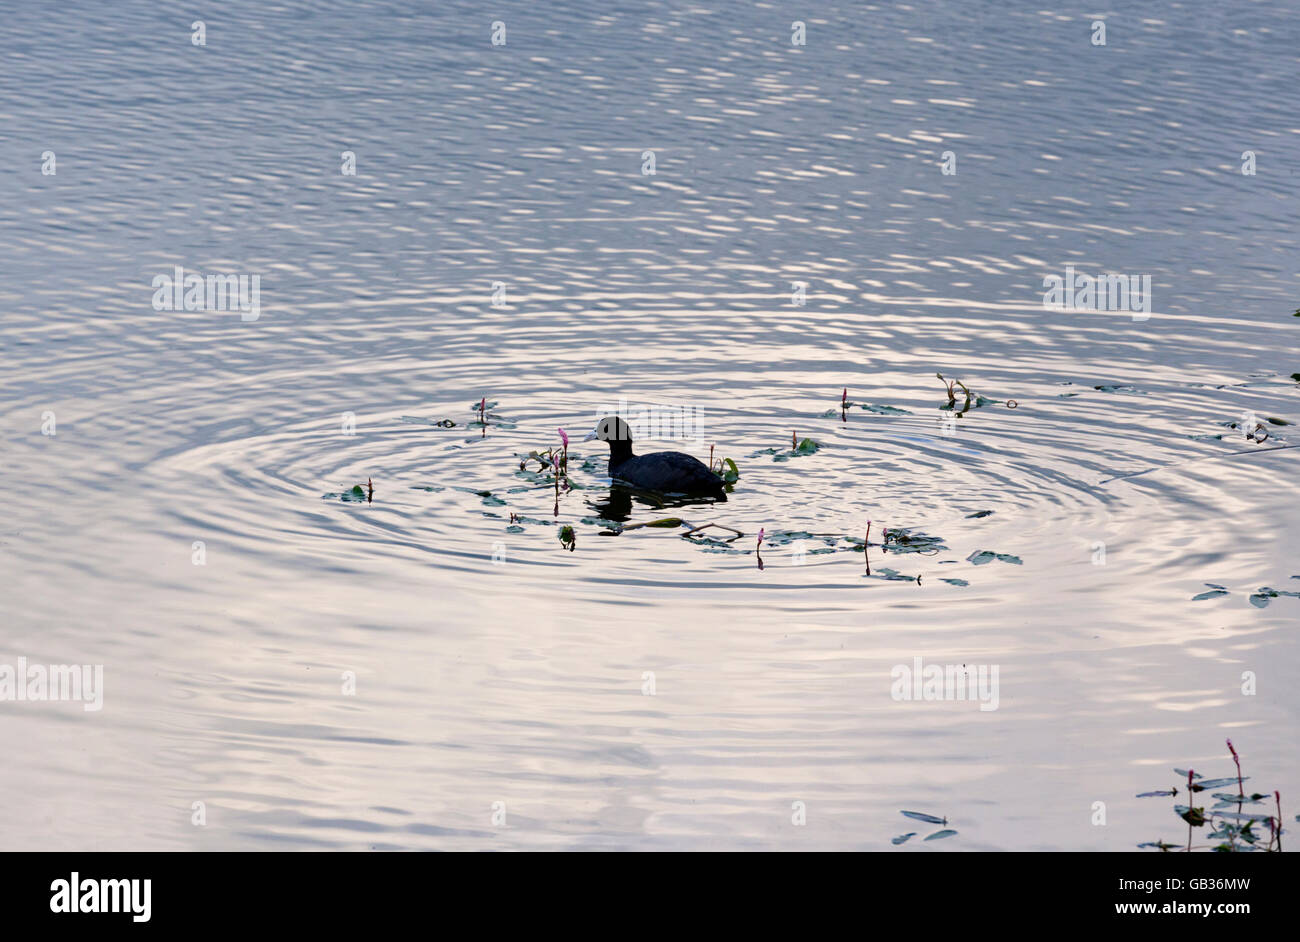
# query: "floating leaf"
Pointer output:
{"type": "Point", "coordinates": [940, 835]}
{"type": "Point", "coordinates": [903, 838]}
{"type": "Point", "coordinates": [961, 582]}
{"type": "Point", "coordinates": [1162, 794]}
{"type": "Point", "coordinates": [922, 816]}
{"type": "Point", "coordinates": [1216, 783]}
{"type": "Point", "coordinates": [1212, 594]}
{"type": "Point", "coordinates": [979, 513]}
{"type": "Point", "coordinates": [987, 556]}
{"type": "Point", "coordinates": [882, 410]}
{"type": "Point", "coordinates": [904, 540]}
{"type": "Point", "coordinates": [805, 446]}
{"type": "Point", "coordinates": [1194, 816]}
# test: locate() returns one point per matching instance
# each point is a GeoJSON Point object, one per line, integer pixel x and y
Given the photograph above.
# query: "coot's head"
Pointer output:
{"type": "Point", "coordinates": [618, 433]}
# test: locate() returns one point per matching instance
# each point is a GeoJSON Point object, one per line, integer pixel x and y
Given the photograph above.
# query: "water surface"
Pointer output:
{"type": "Point", "coordinates": [523, 683]}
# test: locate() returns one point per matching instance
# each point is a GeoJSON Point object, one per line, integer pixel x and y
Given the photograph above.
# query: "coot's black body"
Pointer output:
{"type": "Point", "coordinates": [667, 472]}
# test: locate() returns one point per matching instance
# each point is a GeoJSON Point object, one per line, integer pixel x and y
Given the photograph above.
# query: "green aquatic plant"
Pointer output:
{"type": "Point", "coordinates": [724, 468]}
{"type": "Point", "coordinates": [357, 494]}
{"type": "Point", "coordinates": [568, 537]}
{"type": "Point", "coordinates": [487, 417]}
{"type": "Point", "coordinates": [945, 831]}
{"type": "Point", "coordinates": [972, 401]}
{"type": "Point", "coordinates": [987, 556]}
{"type": "Point", "coordinates": [1229, 831]}
{"type": "Point", "coordinates": [1265, 595]}
{"type": "Point", "coordinates": [1260, 598]}
{"type": "Point", "coordinates": [798, 448]}
{"type": "Point", "coordinates": [907, 540]}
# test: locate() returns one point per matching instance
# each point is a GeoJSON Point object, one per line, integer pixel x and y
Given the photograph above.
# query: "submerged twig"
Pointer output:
{"type": "Point", "coordinates": [720, 526]}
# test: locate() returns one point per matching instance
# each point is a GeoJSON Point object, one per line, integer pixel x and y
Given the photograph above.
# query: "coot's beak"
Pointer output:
{"type": "Point", "coordinates": [591, 436]}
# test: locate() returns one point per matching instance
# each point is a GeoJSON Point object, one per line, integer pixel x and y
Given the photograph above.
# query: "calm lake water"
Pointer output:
{"type": "Point", "coordinates": [528, 682]}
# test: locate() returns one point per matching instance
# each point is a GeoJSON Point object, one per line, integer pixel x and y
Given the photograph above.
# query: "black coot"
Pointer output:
{"type": "Point", "coordinates": [667, 472]}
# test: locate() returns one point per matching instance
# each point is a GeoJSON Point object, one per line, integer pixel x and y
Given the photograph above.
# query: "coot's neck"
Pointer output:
{"type": "Point", "coordinates": [620, 449]}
